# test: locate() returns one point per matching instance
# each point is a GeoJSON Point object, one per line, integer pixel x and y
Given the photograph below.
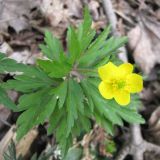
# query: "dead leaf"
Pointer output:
{"type": "Point", "coordinates": [124, 7]}
{"type": "Point", "coordinates": [144, 40]}
{"type": "Point", "coordinates": [23, 147]}
{"type": "Point", "coordinates": [74, 8]}
{"type": "Point", "coordinates": [5, 48]}
{"type": "Point", "coordinates": [16, 14]}
{"type": "Point", "coordinates": [147, 95]}
{"type": "Point", "coordinates": [4, 114]}
{"type": "Point", "coordinates": [25, 57]}
{"type": "Point", "coordinates": [6, 140]}
{"type": "Point", "coordinates": [93, 6]}
{"type": "Point", "coordinates": [53, 11]}
{"type": "Point", "coordinates": [158, 14]}
{"type": "Point", "coordinates": [154, 125]}
{"type": "Point", "coordinates": [155, 117]}
{"type": "Point", "coordinates": [157, 2]}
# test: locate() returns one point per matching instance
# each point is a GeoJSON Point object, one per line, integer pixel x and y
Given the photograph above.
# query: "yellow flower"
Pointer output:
{"type": "Point", "coordinates": [118, 82]}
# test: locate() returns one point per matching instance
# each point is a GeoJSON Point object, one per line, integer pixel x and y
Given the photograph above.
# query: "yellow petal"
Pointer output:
{"type": "Point", "coordinates": [105, 90]}
{"type": "Point", "coordinates": [125, 69]}
{"type": "Point", "coordinates": [122, 97]}
{"type": "Point", "coordinates": [107, 71]}
{"type": "Point", "coordinates": [134, 83]}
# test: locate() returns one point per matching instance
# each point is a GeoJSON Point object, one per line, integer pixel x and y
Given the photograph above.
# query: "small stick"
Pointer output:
{"type": "Point", "coordinates": [108, 8]}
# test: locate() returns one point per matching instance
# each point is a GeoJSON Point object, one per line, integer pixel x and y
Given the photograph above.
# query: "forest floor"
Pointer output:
{"type": "Point", "coordinates": [22, 26]}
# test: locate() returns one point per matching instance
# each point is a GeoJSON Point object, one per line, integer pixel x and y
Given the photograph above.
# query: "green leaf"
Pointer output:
{"type": "Point", "coordinates": [54, 68]}
{"type": "Point", "coordinates": [128, 114]}
{"type": "Point", "coordinates": [111, 146]}
{"type": "Point", "coordinates": [85, 27]}
{"type": "Point", "coordinates": [85, 32]}
{"type": "Point", "coordinates": [38, 111]}
{"type": "Point", "coordinates": [53, 47]}
{"type": "Point", "coordinates": [5, 100]}
{"type": "Point", "coordinates": [65, 143]}
{"type": "Point", "coordinates": [85, 123]}
{"type": "Point", "coordinates": [71, 107]}
{"type": "Point", "coordinates": [86, 88]}
{"type": "Point", "coordinates": [74, 103]}
{"type": "Point", "coordinates": [55, 119]}
{"type": "Point", "coordinates": [74, 154]}
{"type": "Point", "coordinates": [101, 104]}
{"type": "Point", "coordinates": [99, 42]}
{"type": "Point", "coordinates": [60, 92]}
{"type": "Point", "coordinates": [111, 46]}
{"type": "Point", "coordinates": [72, 44]}
{"type": "Point", "coordinates": [28, 100]}
{"type": "Point", "coordinates": [29, 82]}
{"type": "Point", "coordinates": [107, 48]}
{"type": "Point", "coordinates": [84, 43]}
{"type": "Point", "coordinates": [44, 155]}
{"type": "Point", "coordinates": [10, 65]}
{"type": "Point", "coordinates": [105, 123]}
{"type": "Point", "coordinates": [50, 105]}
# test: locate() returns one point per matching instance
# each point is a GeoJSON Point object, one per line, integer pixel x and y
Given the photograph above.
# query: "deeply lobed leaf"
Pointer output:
{"type": "Point", "coordinates": [63, 88]}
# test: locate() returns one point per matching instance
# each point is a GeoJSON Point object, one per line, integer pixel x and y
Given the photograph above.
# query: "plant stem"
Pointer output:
{"type": "Point", "coordinates": [86, 70]}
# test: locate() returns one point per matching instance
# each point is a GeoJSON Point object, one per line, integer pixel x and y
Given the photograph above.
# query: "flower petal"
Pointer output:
{"type": "Point", "coordinates": [105, 90]}
{"type": "Point", "coordinates": [125, 69]}
{"type": "Point", "coordinates": [134, 83]}
{"type": "Point", "coordinates": [122, 97]}
{"type": "Point", "coordinates": [107, 71]}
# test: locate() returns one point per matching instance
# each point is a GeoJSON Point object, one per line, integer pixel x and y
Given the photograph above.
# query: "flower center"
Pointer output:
{"type": "Point", "coordinates": [118, 84]}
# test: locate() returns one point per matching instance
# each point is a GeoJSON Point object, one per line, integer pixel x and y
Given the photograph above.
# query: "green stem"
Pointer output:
{"type": "Point", "coordinates": [86, 70]}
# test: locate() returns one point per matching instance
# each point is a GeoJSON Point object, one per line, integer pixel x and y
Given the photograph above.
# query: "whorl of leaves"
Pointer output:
{"type": "Point", "coordinates": [64, 89]}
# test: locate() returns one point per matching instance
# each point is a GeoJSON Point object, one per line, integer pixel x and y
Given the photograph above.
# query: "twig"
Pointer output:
{"type": "Point", "coordinates": [125, 17]}
{"type": "Point", "coordinates": [113, 21]}
{"type": "Point", "coordinates": [137, 144]}
{"type": "Point", "coordinates": [78, 75]}
{"type": "Point", "coordinates": [5, 122]}
{"type": "Point", "coordinates": [136, 134]}
{"type": "Point", "coordinates": [124, 152]}
{"type": "Point", "coordinates": [152, 147]}
{"type": "Point", "coordinates": [111, 16]}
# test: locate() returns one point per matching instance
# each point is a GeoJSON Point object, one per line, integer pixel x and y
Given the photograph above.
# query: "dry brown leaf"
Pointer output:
{"type": "Point", "coordinates": [93, 6]}
{"type": "Point", "coordinates": [16, 13]}
{"type": "Point", "coordinates": [123, 7]}
{"type": "Point", "coordinates": [13, 95]}
{"type": "Point", "coordinates": [158, 14]}
{"type": "Point", "coordinates": [147, 95]}
{"type": "Point", "coordinates": [155, 117]}
{"type": "Point", "coordinates": [144, 40]}
{"type": "Point", "coordinates": [53, 11]}
{"type": "Point", "coordinates": [154, 2]}
{"type": "Point", "coordinates": [154, 125]}
{"type": "Point", "coordinates": [5, 48]}
{"type": "Point", "coordinates": [62, 13]}
{"type": "Point", "coordinates": [6, 140]}
{"type": "Point", "coordinates": [4, 114]}
{"type": "Point", "coordinates": [74, 8]}
{"type": "Point", "coordinates": [23, 147]}
{"type": "Point", "coordinates": [25, 57]}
